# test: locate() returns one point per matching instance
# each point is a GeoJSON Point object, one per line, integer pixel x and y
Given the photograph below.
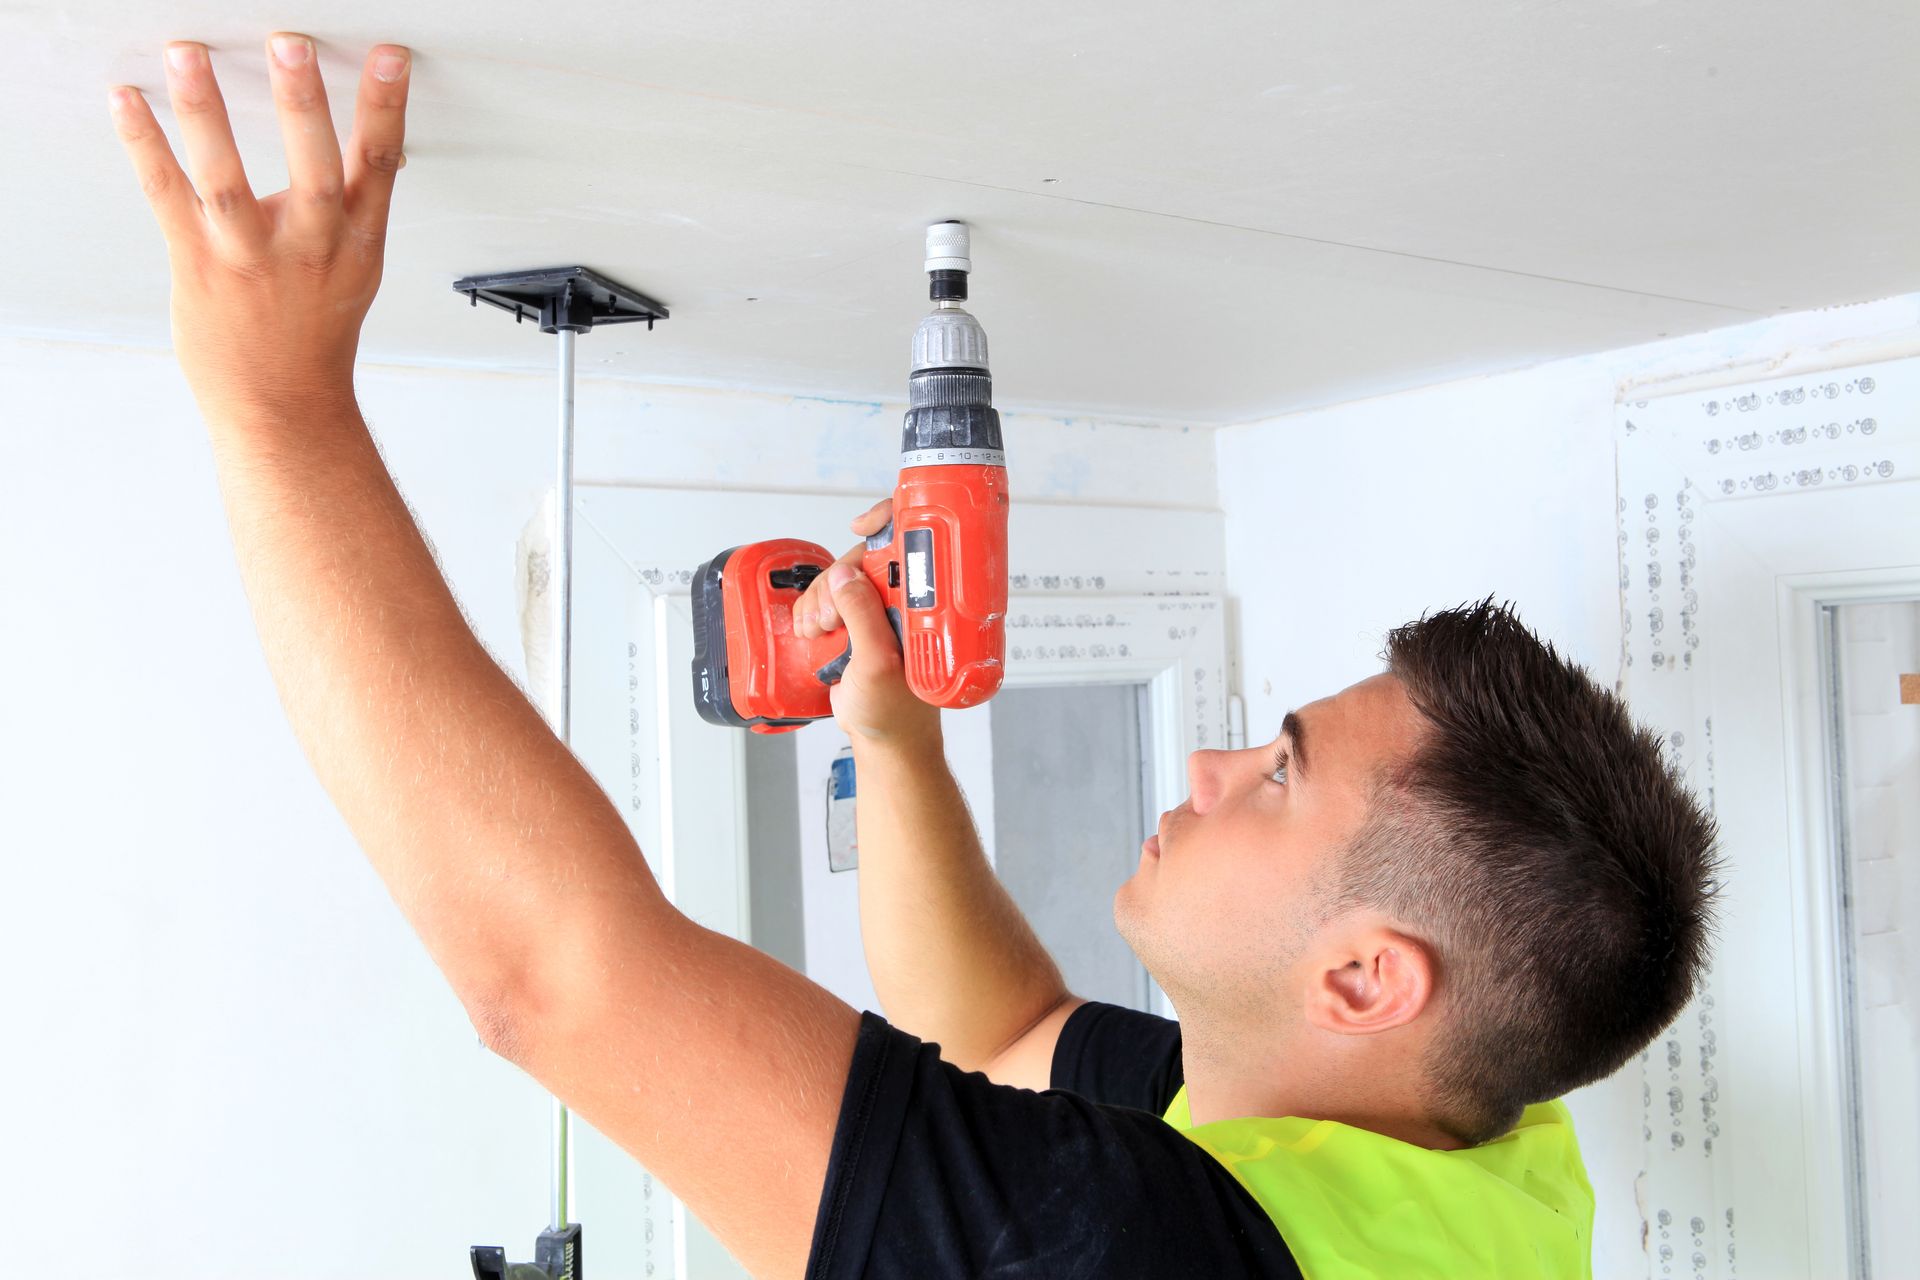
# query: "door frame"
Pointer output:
{"type": "Point", "coordinates": [1819, 863]}
{"type": "Point", "coordinates": [1743, 508]}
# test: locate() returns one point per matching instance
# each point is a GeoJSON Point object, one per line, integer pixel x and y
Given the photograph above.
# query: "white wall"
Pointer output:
{"type": "Point", "coordinates": [1346, 521]}
{"type": "Point", "coordinates": [223, 1043]}
{"type": "Point", "coordinates": [223, 1049]}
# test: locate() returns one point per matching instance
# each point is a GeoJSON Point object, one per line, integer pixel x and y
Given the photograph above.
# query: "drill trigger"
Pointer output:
{"type": "Point", "coordinates": [831, 673]}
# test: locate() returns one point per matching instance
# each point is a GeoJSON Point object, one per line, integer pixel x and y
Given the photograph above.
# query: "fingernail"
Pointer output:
{"type": "Point", "coordinates": [388, 67]}
{"type": "Point", "coordinates": [119, 97]}
{"type": "Point", "coordinates": [185, 57]}
{"type": "Point", "coordinates": [839, 576]}
{"type": "Point", "coordinates": [292, 51]}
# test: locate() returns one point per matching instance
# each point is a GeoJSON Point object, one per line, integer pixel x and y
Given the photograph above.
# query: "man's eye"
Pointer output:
{"type": "Point", "coordinates": [1280, 766]}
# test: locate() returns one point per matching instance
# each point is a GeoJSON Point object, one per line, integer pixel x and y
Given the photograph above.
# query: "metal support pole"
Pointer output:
{"type": "Point", "coordinates": [559, 697]}
{"type": "Point", "coordinates": [561, 694]}
{"type": "Point", "coordinates": [568, 301]}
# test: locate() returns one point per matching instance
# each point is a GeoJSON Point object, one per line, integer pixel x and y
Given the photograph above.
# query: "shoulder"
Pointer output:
{"type": "Point", "coordinates": [1120, 1056]}
{"type": "Point", "coordinates": [936, 1172]}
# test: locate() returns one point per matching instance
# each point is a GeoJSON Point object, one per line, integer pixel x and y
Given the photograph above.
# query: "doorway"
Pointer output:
{"type": "Point", "coordinates": [1058, 780]}
{"type": "Point", "coordinates": [1070, 808]}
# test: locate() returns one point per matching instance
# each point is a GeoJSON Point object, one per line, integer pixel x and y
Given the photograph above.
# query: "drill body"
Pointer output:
{"type": "Point", "coordinates": [940, 566]}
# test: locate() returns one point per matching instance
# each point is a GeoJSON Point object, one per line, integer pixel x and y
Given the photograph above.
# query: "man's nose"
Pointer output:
{"type": "Point", "coordinates": [1206, 771]}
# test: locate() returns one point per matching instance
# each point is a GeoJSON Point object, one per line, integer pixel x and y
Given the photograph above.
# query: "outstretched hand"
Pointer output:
{"type": "Point", "coordinates": [269, 293]}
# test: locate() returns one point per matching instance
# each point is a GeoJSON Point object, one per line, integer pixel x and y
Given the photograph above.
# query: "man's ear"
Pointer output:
{"type": "Point", "coordinates": [1376, 979]}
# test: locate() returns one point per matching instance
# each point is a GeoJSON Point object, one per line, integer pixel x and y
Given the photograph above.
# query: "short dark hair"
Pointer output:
{"type": "Point", "coordinates": [1545, 847]}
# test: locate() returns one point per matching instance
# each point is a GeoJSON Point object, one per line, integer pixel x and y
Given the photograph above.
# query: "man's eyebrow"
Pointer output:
{"type": "Point", "coordinates": [1291, 729]}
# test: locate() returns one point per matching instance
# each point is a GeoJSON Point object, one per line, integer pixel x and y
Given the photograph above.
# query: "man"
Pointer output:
{"type": "Point", "coordinates": [1440, 898]}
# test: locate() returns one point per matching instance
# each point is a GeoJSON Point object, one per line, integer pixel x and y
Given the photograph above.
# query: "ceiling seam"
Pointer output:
{"type": "Point", "coordinates": [889, 400]}
{"type": "Point", "coordinates": [1306, 239]}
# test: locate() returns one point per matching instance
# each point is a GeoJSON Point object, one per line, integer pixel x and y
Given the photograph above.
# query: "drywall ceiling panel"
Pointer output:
{"type": "Point", "coordinates": [1183, 213]}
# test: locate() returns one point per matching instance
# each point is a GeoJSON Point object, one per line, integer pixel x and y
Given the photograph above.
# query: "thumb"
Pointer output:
{"type": "Point", "coordinates": [874, 518]}
{"type": "Point", "coordinates": [860, 609]}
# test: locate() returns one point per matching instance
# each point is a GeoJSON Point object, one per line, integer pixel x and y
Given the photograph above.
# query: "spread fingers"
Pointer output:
{"type": "Point", "coordinates": [207, 137]}
{"type": "Point", "coordinates": [160, 175]}
{"type": "Point", "coordinates": [374, 153]}
{"type": "Point", "coordinates": [313, 149]}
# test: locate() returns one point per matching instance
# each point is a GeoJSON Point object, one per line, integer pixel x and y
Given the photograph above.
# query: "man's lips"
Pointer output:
{"type": "Point", "coordinates": [1152, 845]}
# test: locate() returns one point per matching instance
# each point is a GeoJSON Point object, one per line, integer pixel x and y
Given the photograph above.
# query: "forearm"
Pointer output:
{"type": "Point", "coordinates": [478, 820]}
{"type": "Point", "coordinates": [952, 958]}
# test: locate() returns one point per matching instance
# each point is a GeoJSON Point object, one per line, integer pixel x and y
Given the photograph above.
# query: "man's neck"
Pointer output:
{"type": "Point", "coordinates": [1229, 1075]}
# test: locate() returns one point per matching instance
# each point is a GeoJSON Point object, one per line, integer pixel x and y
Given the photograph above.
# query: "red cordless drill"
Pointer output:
{"type": "Point", "coordinates": [940, 566]}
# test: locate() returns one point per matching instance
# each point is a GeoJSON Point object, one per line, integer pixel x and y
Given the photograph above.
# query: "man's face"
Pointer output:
{"type": "Point", "coordinates": [1223, 900]}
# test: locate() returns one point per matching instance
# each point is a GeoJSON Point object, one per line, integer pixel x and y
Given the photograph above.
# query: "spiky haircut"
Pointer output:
{"type": "Point", "coordinates": [1543, 845]}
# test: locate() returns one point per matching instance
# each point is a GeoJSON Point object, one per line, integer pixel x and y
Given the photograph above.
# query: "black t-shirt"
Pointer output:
{"type": "Point", "coordinates": [938, 1172]}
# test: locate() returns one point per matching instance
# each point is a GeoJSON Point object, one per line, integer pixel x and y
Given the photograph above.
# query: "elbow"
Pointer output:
{"type": "Point", "coordinates": [501, 1018]}
{"type": "Point", "coordinates": [525, 1014]}
{"type": "Point", "coordinates": [528, 1009]}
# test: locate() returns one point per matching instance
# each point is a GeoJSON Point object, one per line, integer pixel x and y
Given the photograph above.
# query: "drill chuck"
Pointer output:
{"type": "Point", "coordinates": [949, 391]}
{"type": "Point", "coordinates": [949, 338]}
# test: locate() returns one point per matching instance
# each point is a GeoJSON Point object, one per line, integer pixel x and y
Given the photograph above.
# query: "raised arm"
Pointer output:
{"type": "Point", "coordinates": [952, 958]}
{"type": "Point", "coordinates": [718, 1068]}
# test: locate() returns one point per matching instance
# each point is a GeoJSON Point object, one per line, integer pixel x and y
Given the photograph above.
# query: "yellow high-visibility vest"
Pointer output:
{"type": "Point", "coordinates": [1356, 1205]}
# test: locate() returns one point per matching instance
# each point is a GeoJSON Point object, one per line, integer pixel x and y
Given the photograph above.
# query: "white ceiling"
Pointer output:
{"type": "Point", "coordinates": [1188, 213]}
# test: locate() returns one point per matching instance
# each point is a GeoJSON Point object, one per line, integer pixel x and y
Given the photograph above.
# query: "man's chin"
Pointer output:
{"type": "Point", "coordinates": [1129, 913]}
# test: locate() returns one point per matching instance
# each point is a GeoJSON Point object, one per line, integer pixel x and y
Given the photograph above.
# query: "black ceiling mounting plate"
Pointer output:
{"type": "Point", "coordinates": [574, 298]}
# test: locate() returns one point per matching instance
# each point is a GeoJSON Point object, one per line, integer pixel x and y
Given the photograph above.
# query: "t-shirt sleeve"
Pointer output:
{"type": "Point", "coordinates": [1119, 1056]}
{"type": "Point", "coordinates": [938, 1172]}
